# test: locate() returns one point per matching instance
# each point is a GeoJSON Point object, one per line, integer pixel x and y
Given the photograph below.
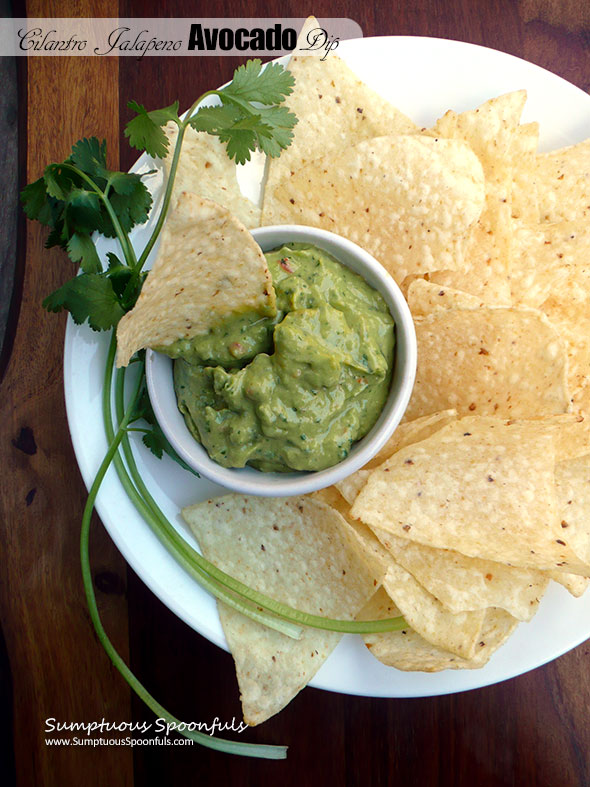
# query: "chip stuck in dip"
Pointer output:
{"type": "Point", "coordinates": [294, 391]}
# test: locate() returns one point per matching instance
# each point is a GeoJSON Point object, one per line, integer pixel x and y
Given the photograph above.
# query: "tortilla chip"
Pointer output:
{"type": "Point", "coordinates": [208, 267]}
{"type": "Point", "coordinates": [481, 486]}
{"type": "Point", "coordinates": [464, 583]}
{"type": "Point", "coordinates": [361, 538]}
{"type": "Point", "coordinates": [205, 169]}
{"type": "Point", "coordinates": [457, 633]}
{"type": "Point", "coordinates": [408, 200]}
{"type": "Point", "coordinates": [571, 317]}
{"type": "Point", "coordinates": [426, 297]}
{"type": "Point", "coordinates": [407, 433]}
{"type": "Point", "coordinates": [525, 205]}
{"type": "Point", "coordinates": [489, 130]}
{"type": "Point", "coordinates": [573, 583]}
{"type": "Point", "coordinates": [572, 479]}
{"type": "Point", "coordinates": [478, 281]}
{"type": "Point", "coordinates": [562, 182]}
{"type": "Point", "coordinates": [293, 551]}
{"type": "Point", "coordinates": [487, 361]}
{"type": "Point", "coordinates": [335, 110]}
{"type": "Point", "coordinates": [551, 261]}
{"type": "Point", "coordinates": [407, 650]}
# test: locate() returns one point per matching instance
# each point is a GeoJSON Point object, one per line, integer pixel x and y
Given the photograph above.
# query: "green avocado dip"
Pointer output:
{"type": "Point", "coordinates": [295, 391]}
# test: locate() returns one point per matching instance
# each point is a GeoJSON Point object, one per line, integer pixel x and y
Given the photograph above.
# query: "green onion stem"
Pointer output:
{"type": "Point", "coordinates": [220, 744]}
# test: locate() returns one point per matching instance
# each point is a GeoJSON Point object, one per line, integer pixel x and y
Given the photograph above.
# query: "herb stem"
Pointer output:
{"type": "Point", "coordinates": [220, 744]}
{"type": "Point", "coordinates": [123, 237]}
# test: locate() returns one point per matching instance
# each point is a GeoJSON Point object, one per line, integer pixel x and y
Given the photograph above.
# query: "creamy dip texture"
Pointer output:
{"type": "Point", "coordinates": [292, 392]}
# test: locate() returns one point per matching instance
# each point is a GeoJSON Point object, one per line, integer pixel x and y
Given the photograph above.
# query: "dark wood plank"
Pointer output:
{"type": "Point", "coordinates": [58, 668]}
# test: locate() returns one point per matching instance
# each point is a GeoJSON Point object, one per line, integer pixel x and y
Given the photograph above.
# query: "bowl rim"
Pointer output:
{"type": "Point", "coordinates": [248, 480]}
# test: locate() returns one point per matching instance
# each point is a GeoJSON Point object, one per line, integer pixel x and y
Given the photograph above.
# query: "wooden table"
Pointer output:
{"type": "Point", "coordinates": [532, 730]}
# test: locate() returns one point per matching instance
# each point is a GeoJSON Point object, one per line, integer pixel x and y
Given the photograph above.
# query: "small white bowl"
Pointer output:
{"type": "Point", "coordinates": [247, 480]}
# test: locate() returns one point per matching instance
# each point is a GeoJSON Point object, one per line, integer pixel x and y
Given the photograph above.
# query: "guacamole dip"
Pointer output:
{"type": "Point", "coordinates": [295, 391]}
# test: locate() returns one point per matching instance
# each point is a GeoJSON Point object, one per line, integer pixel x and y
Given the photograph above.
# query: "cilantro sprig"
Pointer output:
{"type": "Point", "coordinates": [79, 198]}
{"type": "Point", "coordinates": [249, 116]}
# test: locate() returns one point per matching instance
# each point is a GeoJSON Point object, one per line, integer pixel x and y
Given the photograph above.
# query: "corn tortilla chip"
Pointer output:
{"type": "Point", "coordinates": [489, 361]}
{"type": "Point", "coordinates": [208, 266]}
{"type": "Point", "coordinates": [425, 297]}
{"type": "Point", "coordinates": [571, 317]}
{"type": "Point", "coordinates": [335, 110]}
{"type": "Point", "coordinates": [361, 537]}
{"type": "Point", "coordinates": [457, 633]}
{"type": "Point", "coordinates": [481, 486]}
{"type": "Point", "coordinates": [551, 261]}
{"type": "Point", "coordinates": [491, 131]}
{"type": "Point", "coordinates": [572, 479]}
{"type": "Point", "coordinates": [292, 550]}
{"type": "Point", "coordinates": [205, 169]}
{"type": "Point", "coordinates": [464, 583]}
{"type": "Point", "coordinates": [406, 433]}
{"type": "Point", "coordinates": [562, 183]}
{"type": "Point", "coordinates": [407, 650]}
{"type": "Point", "coordinates": [573, 583]}
{"type": "Point", "coordinates": [408, 200]}
{"type": "Point", "coordinates": [525, 205]}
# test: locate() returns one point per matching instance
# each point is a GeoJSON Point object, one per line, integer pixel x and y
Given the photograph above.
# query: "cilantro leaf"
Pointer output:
{"type": "Point", "coordinates": [124, 182]}
{"type": "Point", "coordinates": [249, 117]}
{"type": "Point", "coordinates": [215, 119]}
{"type": "Point", "coordinates": [89, 296]}
{"type": "Point", "coordinates": [58, 181]}
{"type": "Point", "coordinates": [34, 201]}
{"type": "Point", "coordinates": [90, 156]}
{"type": "Point", "coordinates": [131, 207]}
{"type": "Point", "coordinates": [82, 211]}
{"type": "Point", "coordinates": [268, 86]}
{"type": "Point", "coordinates": [81, 249]}
{"type": "Point", "coordinates": [144, 131]}
{"type": "Point", "coordinates": [56, 237]}
{"type": "Point", "coordinates": [126, 283]}
{"type": "Point", "coordinates": [154, 438]}
{"type": "Point", "coordinates": [281, 122]}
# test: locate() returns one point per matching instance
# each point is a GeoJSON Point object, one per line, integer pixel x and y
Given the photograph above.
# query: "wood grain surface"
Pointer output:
{"type": "Point", "coordinates": [532, 730]}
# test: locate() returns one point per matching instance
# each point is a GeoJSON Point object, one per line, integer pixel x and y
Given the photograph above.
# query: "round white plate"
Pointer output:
{"type": "Point", "coordinates": [423, 77]}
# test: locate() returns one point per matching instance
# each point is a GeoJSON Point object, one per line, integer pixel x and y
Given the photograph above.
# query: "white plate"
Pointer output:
{"type": "Point", "coordinates": [423, 77]}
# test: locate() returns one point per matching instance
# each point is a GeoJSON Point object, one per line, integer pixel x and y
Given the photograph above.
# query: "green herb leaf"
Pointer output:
{"type": "Point", "coordinates": [34, 201]}
{"type": "Point", "coordinates": [280, 122]}
{"type": "Point", "coordinates": [154, 438]}
{"type": "Point", "coordinates": [82, 250]}
{"type": "Point", "coordinates": [82, 211]}
{"type": "Point", "coordinates": [268, 86]}
{"type": "Point", "coordinates": [90, 156]}
{"type": "Point", "coordinates": [239, 143]}
{"type": "Point", "coordinates": [130, 208]}
{"type": "Point", "coordinates": [144, 131]}
{"type": "Point", "coordinates": [242, 122]}
{"type": "Point", "coordinates": [215, 119]}
{"type": "Point", "coordinates": [124, 182]}
{"type": "Point", "coordinates": [89, 296]}
{"type": "Point", "coordinates": [58, 181]}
